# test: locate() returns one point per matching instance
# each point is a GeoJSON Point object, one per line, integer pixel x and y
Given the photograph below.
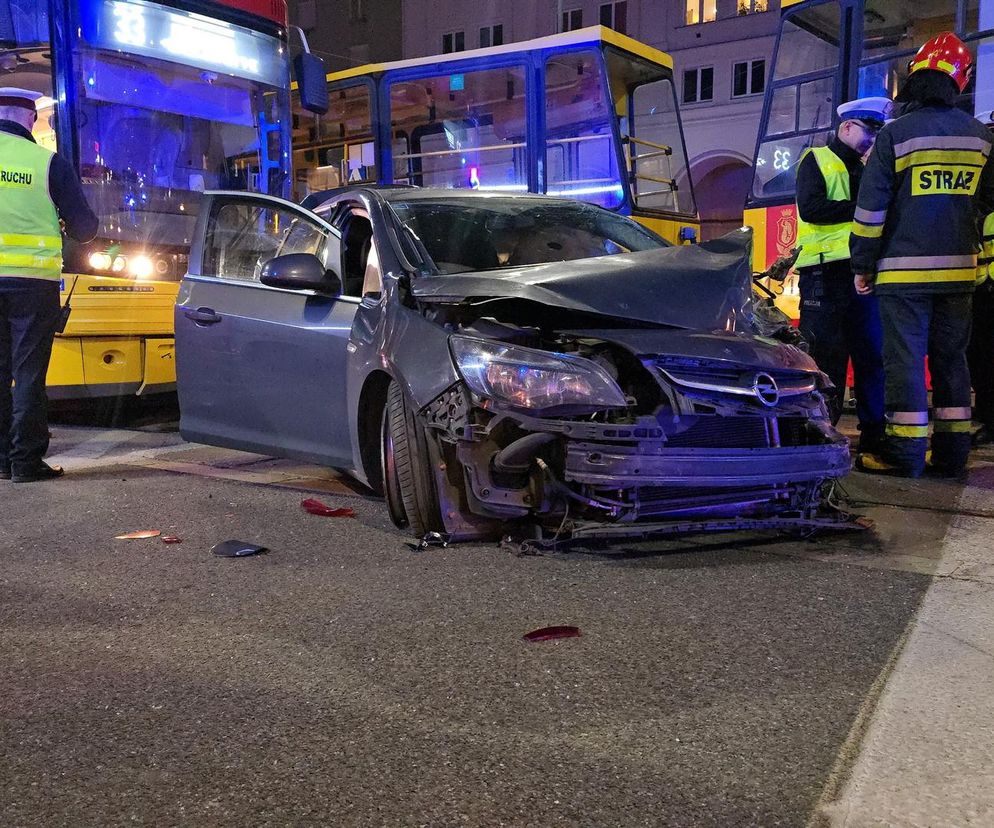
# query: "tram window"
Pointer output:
{"type": "Point", "coordinates": [32, 69]}
{"type": "Point", "coordinates": [894, 29]}
{"type": "Point", "coordinates": [581, 157]}
{"type": "Point", "coordinates": [815, 108]}
{"type": "Point", "coordinates": [154, 134]}
{"type": "Point", "coordinates": [902, 25]}
{"type": "Point", "coordinates": [783, 111]}
{"type": "Point", "coordinates": [776, 163]}
{"type": "Point", "coordinates": [465, 131]}
{"type": "Point", "coordinates": [336, 148]}
{"type": "Point", "coordinates": [809, 41]}
{"type": "Point", "coordinates": [655, 123]}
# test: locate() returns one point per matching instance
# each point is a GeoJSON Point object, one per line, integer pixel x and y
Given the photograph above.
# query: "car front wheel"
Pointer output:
{"type": "Point", "coordinates": [408, 480]}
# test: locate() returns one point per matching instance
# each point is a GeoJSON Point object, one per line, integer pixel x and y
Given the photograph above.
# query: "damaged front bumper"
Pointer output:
{"type": "Point", "coordinates": [632, 466]}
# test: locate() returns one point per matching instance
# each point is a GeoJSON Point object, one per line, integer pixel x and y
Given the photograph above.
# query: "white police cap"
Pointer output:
{"type": "Point", "coordinates": [874, 110]}
{"type": "Point", "coordinates": [15, 96]}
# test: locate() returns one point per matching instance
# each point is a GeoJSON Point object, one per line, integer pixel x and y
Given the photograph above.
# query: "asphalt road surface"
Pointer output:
{"type": "Point", "coordinates": [345, 678]}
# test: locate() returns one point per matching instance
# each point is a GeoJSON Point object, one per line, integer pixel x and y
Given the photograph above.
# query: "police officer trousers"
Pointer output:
{"type": "Point", "coordinates": [981, 354]}
{"type": "Point", "coordinates": [29, 314]}
{"type": "Point", "coordinates": [839, 324]}
{"type": "Point", "coordinates": [937, 325]}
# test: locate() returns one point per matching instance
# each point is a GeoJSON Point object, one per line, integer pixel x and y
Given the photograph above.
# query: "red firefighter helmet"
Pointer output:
{"type": "Point", "coordinates": [945, 53]}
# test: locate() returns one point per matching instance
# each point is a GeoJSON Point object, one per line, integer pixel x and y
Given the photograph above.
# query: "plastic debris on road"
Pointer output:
{"type": "Point", "coordinates": [316, 507]}
{"type": "Point", "coordinates": [552, 633]}
{"type": "Point", "coordinates": [236, 549]}
{"type": "Point", "coordinates": [171, 539]}
{"type": "Point", "coordinates": [434, 539]}
{"type": "Point", "coordinates": [141, 534]}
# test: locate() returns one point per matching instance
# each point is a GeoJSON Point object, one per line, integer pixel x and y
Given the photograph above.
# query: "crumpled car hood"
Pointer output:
{"type": "Point", "coordinates": [733, 348]}
{"type": "Point", "coordinates": [705, 286]}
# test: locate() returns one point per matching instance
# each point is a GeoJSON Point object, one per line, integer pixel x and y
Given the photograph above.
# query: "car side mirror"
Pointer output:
{"type": "Point", "coordinates": [301, 271]}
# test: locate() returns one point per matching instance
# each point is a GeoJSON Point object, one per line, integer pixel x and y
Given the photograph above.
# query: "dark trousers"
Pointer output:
{"type": "Point", "coordinates": [840, 325]}
{"type": "Point", "coordinates": [29, 314]}
{"type": "Point", "coordinates": [981, 354]}
{"type": "Point", "coordinates": [937, 325]}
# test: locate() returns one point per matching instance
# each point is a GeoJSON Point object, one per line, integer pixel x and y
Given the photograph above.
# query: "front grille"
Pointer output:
{"type": "Point", "coordinates": [723, 432]}
{"type": "Point", "coordinates": [734, 380]}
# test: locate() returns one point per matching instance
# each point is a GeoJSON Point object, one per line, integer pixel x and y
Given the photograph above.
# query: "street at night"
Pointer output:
{"type": "Point", "coordinates": [347, 678]}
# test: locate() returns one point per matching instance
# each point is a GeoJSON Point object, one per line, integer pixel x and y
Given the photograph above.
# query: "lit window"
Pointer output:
{"type": "Point", "coordinates": [572, 19]}
{"type": "Point", "coordinates": [698, 85]}
{"type": "Point", "coordinates": [750, 6]}
{"type": "Point", "coordinates": [748, 78]}
{"type": "Point", "coordinates": [702, 11]}
{"type": "Point", "coordinates": [615, 16]}
{"type": "Point", "coordinates": [453, 42]}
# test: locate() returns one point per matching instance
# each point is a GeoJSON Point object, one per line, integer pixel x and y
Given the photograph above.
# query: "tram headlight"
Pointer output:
{"type": "Point", "coordinates": [119, 264]}
{"type": "Point", "coordinates": [100, 261]}
{"type": "Point", "coordinates": [141, 267]}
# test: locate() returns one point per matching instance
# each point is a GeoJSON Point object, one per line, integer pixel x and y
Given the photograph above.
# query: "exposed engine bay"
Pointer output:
{"type": "Point", "coordinates": [713, 426]}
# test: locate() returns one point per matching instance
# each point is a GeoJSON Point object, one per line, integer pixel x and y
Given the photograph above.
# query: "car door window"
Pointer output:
{"type": "Point", "coordinates": [243, 236]}
{"type": "Point", "coordinates": [360, 260]}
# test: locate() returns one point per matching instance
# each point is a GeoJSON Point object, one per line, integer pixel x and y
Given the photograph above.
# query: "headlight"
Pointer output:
{"type": "Point", "coordinates": [526, 378]}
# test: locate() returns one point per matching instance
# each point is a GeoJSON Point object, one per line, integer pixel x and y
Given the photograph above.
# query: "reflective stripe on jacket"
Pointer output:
{"type": "Point", "coordinates": [986, 257]}
{"type": "Point", "coordinates": [821, 243]}
{"type": "Point", "coordinates": [927, 181]}
{"type": "Point", "coordinates": [30, 235]}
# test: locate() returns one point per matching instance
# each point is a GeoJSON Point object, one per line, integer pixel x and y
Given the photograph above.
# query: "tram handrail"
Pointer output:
{"type": "Point", "coordinates": [664, 149]}
{"type": "Point", "coordinates": [463, 151]}
{"type": "Point", "coordinates": [668, 181]}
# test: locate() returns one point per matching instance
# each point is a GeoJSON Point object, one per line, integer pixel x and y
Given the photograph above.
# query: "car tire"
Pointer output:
{"type": "Point", "coordinates": [408, 480]}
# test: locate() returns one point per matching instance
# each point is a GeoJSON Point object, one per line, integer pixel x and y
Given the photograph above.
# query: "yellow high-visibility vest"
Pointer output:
{"type": "Point", "coordinates": [30, 236]}
{"type": "Point", "coordinates": [823, 243]}
{"type": "Point", "coordinates": [986, 257]}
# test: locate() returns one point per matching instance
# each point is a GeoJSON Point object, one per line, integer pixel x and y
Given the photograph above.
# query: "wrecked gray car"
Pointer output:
{"type": "Point", "coordinates": [496, 364]}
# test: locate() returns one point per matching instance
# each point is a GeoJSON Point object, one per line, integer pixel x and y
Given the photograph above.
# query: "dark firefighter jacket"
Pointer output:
{"type": "Point", "coordinates": [927, 183]}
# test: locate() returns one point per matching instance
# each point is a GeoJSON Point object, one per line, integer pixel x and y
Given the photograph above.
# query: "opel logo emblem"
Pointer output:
{"type": "Point", "coordinates": [765, 389]}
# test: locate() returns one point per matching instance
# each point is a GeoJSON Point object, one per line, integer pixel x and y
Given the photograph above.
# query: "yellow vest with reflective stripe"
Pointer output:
{"type": "Point", "coordinates": [986, 258]}
{"type": "Point", "coordinates": [826, 242]}
{"type": "Point", "coordinates": [30, 236]}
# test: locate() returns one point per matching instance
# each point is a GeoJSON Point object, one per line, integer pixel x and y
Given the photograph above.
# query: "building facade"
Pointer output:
{"type": "Point", "coordinates": [721, 51]}
{"type": "Point", "coordinates": [347, 33]}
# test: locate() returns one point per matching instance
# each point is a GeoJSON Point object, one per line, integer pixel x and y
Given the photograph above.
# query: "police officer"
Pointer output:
{"type": "Point", "coordinates": [837, 322]}
{"type": "Point", "coordinates": [980, 354]}
{"type": "Point", "coordinates": [914, 244]}
{"type": "Point", "coordinates": [38, 188]}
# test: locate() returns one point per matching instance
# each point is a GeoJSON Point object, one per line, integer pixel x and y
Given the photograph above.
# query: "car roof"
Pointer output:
{"type": "Point", "coordinates": [407, 192]}
{"type": "Point", "coordinates": [447, 194]}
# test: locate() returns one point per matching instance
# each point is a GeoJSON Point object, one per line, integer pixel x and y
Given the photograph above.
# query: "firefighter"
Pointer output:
{"type": "Point", "coordinates": [914, 244]}
{"type": "Point", "coordinates": [981, 351]}
{"type": "Point", "coordinates": [838, 323]}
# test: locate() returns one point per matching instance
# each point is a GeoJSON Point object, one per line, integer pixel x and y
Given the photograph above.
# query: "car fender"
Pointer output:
{"type": "Point", "coordinates": [388, 338]}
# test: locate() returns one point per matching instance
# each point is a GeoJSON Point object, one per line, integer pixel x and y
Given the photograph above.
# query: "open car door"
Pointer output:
{"type": "Point", "coordinates": [261, 367]}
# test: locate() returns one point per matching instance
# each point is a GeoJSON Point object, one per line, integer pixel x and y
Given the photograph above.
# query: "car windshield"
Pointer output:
{"type": "Point", "coordinates": [473, 234]}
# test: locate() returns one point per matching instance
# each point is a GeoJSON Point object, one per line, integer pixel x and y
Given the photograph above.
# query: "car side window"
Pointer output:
{"type": "Point", "coordinates": [243, 236]}
{"type": "Point", "coordinates": [360, 261]}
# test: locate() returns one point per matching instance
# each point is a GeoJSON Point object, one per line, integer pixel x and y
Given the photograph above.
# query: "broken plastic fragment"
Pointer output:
{"type": "Point", "coordinates": [549, 633]}
{"type": "Point", "coordinates": [139, 535]}
{"type": "Point", "coordinates": [316, 507]}
{"type": "Point", "coordinates": [236, 549]}
{"type": "Point", "coordinates": [171, 539]}
{"type": "Point", "coordinates": [434, 539]}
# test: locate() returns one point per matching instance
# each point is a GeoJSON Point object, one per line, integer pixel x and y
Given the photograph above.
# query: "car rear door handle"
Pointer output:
{"type": "Point", "coordinates": [203, 316]}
